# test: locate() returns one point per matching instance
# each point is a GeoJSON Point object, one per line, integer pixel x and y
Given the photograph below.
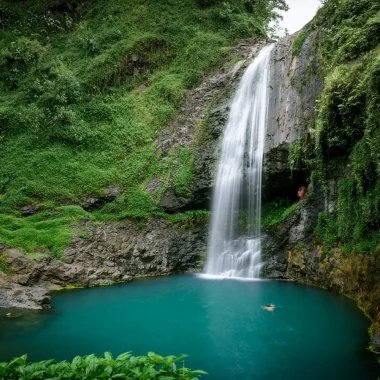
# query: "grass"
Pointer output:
{"type": "Point", "coordinates": [45, 231]}
{"type": "Point", "coordinates": [78, 122]}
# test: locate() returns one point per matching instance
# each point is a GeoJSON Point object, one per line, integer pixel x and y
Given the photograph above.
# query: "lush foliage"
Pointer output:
{"type": "Point", "coordinates": [347, 122]}
{"type": "Point", "coordinates": [296, 155]}
{"type": "Point", "coordinates": [276, 212]}
{"type": "Point", "coordinates": [125, 366]}
{"type": "Point", "coordinates": [85, 86]}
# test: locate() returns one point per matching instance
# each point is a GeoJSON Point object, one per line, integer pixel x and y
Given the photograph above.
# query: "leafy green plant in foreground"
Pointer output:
{"type": "Point", "coordinates": [125, 366]}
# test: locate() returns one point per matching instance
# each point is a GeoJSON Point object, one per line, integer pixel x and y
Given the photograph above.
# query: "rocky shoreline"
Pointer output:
{"type": "Point", "coordinates": [112, 253]}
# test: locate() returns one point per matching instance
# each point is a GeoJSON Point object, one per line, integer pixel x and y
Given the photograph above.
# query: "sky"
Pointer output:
{"type": "Point", "coordinates": [299, 14]}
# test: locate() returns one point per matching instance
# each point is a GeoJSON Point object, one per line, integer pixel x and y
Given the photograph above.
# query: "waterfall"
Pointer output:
{"type": "Point", "coordinates": [237, 194]}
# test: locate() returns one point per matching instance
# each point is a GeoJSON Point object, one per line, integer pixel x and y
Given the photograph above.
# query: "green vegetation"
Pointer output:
{"type": "Point", "coordinates": [233, 60]}
{"type": "Point", "coordinates": [276, 212]}
{"type": "Point", "coordinates": [125, 366]}
{"type": "Point", "coordinates": [185, 173]}
{"type": "Point", "coordinates": [43, 231]}
{"type": "Point", "coordinates": [299, 41]}
{"type": "Point", "coordinates": [295, 155]}
{"type": "Point", "coordinates": [85, 88]}
{"type": "Point", "coordinates": [347, 123]}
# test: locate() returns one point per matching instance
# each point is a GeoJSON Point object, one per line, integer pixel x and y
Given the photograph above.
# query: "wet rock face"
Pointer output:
{"type": "Point", "coordinates": [115, 252]}
{"type": "Point", "coordinates": [93, 203]}
{"type": "Point", "coordinates": [119, 250]}
{"type": "Point", "coordinates": [30, 210]}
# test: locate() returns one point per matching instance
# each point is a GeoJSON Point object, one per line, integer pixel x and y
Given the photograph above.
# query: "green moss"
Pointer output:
{"type": "Point", "coordinates": [233, 60]}
{"type": "Point", "coordinates": [295, 157]}
{"type": "Point", "coordinates": [187, 218]}
{"type": "Point", "coordinates": [327, 230]}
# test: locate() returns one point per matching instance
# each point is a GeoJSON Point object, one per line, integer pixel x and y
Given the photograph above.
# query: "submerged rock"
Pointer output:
{"type": "Point", "coordinates": [14, 315]}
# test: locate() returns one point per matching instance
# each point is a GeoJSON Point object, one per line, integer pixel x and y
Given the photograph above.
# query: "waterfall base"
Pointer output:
{"type": "Point", "coordinates": [240, 259]}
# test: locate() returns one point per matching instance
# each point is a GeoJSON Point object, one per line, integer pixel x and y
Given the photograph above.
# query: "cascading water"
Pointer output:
{"type": "Point", "coordinates": [237, 192]}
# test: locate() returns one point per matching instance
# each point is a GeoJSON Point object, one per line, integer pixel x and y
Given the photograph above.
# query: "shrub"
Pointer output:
{"type": "Point", "coordinates": [25, 51]}
{"type": "Point", "coordinates": [340, 113]}
{"type": "Point", "coordinates": [327, 230]}
{"type": "Point", "coordinates": [347, 123]}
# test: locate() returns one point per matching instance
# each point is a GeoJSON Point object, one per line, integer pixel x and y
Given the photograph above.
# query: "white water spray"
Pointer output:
{"type": "Point", "coordinates": [237, 195]}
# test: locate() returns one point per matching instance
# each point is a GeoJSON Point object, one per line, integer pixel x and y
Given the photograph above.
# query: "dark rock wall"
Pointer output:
{"type": "Point", "coordinates": [295, 87]}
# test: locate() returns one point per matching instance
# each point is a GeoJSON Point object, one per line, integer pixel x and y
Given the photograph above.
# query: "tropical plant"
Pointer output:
{"type": "Point", "coordinates": [125, 366]}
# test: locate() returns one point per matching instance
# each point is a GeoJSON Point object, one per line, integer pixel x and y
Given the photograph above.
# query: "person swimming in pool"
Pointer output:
{"type": "Point", "coordinates": [269, 307]}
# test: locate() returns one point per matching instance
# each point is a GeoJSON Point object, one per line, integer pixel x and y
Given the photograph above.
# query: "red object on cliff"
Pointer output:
{"type": "Point", "coordinates": [301, 192]}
